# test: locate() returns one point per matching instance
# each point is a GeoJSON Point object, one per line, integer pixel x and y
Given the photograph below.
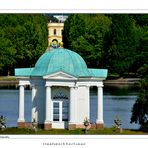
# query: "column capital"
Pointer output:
{"type": "Point", "coordinates": [48, 85]}
{"type": "Point", "coordinates": [33, 86]}
{"type": "Point", "coordinates": [73, 86]}
{"type": "Point", "coordinates": [88, 86]}
{"type": "Point", "coordinates": [22, 85]}
{"type": "Point", "coordinates": [100, 86]}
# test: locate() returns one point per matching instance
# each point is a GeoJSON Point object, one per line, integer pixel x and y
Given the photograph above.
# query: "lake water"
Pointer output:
{"type": "Point", "coordinates": [118, 100]}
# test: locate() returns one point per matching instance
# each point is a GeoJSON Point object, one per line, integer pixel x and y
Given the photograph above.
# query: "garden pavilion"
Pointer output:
{"type": "Point", "coordinates": [60, 84]}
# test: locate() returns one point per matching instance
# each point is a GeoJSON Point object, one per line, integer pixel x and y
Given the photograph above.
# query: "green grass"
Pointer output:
{"type": "Point", "coordinates": [8, 78]}
{"type": "Point", "coordinates": [106, 131]}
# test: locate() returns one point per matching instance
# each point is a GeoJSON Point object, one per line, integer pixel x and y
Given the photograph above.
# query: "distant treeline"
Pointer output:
{"type": "Point", "coordinates": [118, 42]}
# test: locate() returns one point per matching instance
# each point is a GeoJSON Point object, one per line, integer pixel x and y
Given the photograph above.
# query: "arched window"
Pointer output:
{"type": "Point", "coordinates": [60, 95]}
{"type": "Point", "coordinates": [54, 32]}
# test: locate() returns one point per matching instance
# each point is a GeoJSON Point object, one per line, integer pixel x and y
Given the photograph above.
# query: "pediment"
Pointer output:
{"type": "Point", "coordinates": [60, 76]}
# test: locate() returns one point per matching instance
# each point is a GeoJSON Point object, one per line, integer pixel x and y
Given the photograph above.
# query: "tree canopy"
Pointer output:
{"type": "Point", "coordinates": [23, 38]}
{"type": "Point", "coordinates": [84, 33]}
{"type": "Point", "coordinates": [116, 41]}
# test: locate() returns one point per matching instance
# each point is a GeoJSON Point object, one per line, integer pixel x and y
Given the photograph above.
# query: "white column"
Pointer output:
{"type": "Point", "coordinates": [48, 105]}
{"type": "Point", "coordinates": [33, 103]}
{"type": "Point", "coordinates": [21, 104]}
{"type": "Point", "coordinates": [60, 111]}
{"type": "Point", "coordinates": [100, 106]}
{"type": "Point", "coordinates": [87, 101]}
{"type": "Point", "coordinates": [73, 102]}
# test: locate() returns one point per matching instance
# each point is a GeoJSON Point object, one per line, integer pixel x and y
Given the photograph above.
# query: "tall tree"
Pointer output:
{"type": "Point", "coordinates": [122, 43]}
{"type": "Point", "coordinates": [74, 27]}
{"type": "Point", "coordinates": [140, 108]}
{"type": "Point", "coordinates": [24, 38]}
{"type": "Point", "coordinates": [84, 33]}
{"type": "Point", "coordinates": [141, 51]}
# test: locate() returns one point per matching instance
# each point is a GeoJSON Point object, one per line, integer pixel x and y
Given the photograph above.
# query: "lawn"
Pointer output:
{"type": "Point", "coordinates": [8, 78]}
{"type": "Point", "coordinates": [106, 131]}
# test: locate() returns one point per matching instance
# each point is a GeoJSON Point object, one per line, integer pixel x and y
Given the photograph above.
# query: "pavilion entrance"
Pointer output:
{"type": "Point", "coordinates": [60, 110]}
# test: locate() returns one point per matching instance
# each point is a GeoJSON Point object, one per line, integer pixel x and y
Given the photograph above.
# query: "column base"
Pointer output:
{"type": "Point", "coordinates": [93, 126]}
{"type": "Point", "coordinates": [47, 126]}
{"type": "Point", "coordinates": [72, 126]}
{"type": "Point", "coordinates": [100, 126]}
{"type": "Point", "coordinates": [21, 124]}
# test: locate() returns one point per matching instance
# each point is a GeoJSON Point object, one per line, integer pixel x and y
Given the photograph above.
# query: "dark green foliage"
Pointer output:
{"type": "Point", "coordinates": [23, 38]}
{"type": "Point", "coordinates": [141, 19]}
{"type": "Point", "coordinates": [122, 44]}
{"type": "Point", "coordinates": [117, 42]}
{"type": "Point", "coordinates": [142, 51]}
{"type": "Point", "coordinates": [140, 108]}
{"type": "Point", "coordinates": [84, 33]}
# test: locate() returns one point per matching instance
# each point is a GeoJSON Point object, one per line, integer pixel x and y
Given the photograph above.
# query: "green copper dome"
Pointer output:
{"type": "Point", "coordinates": [60, 59]}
